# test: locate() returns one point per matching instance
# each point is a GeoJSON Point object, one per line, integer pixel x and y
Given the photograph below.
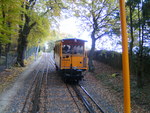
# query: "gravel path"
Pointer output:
{"type": "Point", "coordinates": [8, 96]}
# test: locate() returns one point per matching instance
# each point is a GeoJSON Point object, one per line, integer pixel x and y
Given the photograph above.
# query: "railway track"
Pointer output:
{"type": "Point", "coordinates": [87, 100]}
{"type": "Point", "coordinates": [44, 88]}
{"type": "Point", "coordinates": [32, 100]}
{"type": "Point", "coordinates": [92, 99]}
{"type": "Point", "coordinates": [41, 94]}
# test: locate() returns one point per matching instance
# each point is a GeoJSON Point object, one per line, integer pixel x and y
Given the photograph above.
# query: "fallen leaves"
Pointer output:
{"type": "Point", "coordinates": [8, 76]}
{"type": "Point", "coordinates": [113, 81]}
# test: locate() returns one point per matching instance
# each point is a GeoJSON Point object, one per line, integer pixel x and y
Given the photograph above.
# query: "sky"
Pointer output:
{"type": "Point", "coordinates": [71, 26]}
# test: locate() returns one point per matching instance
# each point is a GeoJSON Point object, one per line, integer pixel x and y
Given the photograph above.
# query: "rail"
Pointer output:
{"type": "Point", "coordinates": [73, 98]}
{"type": "Point", "coordinates": [85, 102]}
{"type": "Point", "coordinates": [33, 95]}
{"type": "Point", "coordinates": [91, 98]}
{"type": "Point", "coordinates": [29, 91]}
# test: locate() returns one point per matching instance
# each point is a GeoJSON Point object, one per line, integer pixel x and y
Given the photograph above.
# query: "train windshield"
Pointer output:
{"type": "Point", "coordinates": [72, 49]}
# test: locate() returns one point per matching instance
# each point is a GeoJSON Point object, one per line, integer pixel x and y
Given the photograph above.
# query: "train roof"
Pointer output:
{"type": "Point", "coordinates": [71, 39]}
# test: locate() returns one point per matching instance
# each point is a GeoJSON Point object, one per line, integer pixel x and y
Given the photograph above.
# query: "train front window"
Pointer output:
{"type": "Point", "coordinates": [72, 49]}
{"type": "Point", "coordinates": [77, 49]}
{"type": "Point", "coordinates": [66, 49]}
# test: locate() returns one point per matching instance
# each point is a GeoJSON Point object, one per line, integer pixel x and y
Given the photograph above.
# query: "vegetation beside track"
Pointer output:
{"type": "Point", "coordinates": [112, 78]}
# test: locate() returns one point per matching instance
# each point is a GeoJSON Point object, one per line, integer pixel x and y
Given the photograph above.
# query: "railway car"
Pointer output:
{"type": "Point", "coordinates": [70, 58]}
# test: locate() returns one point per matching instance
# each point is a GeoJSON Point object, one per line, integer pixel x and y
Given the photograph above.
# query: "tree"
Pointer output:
{"type": "Point", "coordinates": [40, 32]}
{"type": "Point", "coordinates": [9, 19]}
{"type": "Point", "coordinates": [138, 12]}
{"type": "Point", "coordinates": [98, 18]}
{"type": "Point", "coordinates": [132, 5]}
{"type": "Point", "coordinates": [143, 36]}
{"type": "Point", "coordinates": [38, 9]}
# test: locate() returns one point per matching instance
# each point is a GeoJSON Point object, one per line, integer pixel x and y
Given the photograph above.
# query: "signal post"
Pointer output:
{"type": "Point", "coordinates": [125, 59]}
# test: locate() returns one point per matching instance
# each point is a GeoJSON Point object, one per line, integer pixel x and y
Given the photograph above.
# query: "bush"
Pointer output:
{"type": "Point", "coordinates": [114, 59]}
{"type": "Point", "coordinates": [111, 58]}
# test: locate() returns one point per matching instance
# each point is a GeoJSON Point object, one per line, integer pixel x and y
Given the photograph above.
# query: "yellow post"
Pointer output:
{"type": "Point", "coordinates": [125, 59]}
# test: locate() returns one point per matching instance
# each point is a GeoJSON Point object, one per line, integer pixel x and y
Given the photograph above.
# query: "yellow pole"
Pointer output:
{"type": "Point", "coordinates": [125, 59]}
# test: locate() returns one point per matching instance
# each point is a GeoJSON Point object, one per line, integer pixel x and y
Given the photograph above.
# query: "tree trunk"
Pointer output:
{"type": "Point", "coordinates": [132, 38]}
{"type": "Point", "coordinates": [22, 45]}
{"type": "Point", "coordinates": [140, 66]}
{"type": "Point", "coordinates": [22, 41]}
{"type": "Point", "coordinates": [7, 49]}
{"type": "Point", "coordinates": [91, 66]}
{"type": "Point", "coordinates": [139, 72]}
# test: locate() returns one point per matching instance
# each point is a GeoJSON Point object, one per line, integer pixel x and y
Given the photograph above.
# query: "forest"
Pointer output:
{"type": "Point", "coordinates": [27, 24]}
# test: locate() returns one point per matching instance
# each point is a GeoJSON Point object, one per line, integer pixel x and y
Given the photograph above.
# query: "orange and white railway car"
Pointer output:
{"type": "Point", "coordinates": [70, 58]}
